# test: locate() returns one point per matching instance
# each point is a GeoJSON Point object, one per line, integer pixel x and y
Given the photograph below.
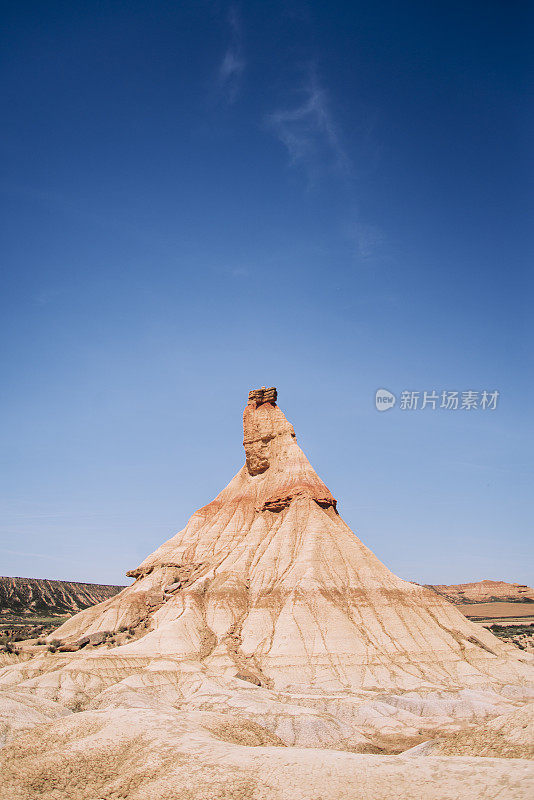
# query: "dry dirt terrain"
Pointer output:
{"type": "Point", "coordinates": [511, 622]}
{"type": "Point", "coordinates": [265, 653]}
{"type": "Point", "coordinates": [507, 609]}
{"type": "Point", "coordinates": [502, 612]}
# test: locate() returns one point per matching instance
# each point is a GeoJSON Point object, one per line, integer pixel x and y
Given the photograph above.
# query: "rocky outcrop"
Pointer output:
{"type": "Point", "coordinates": [263, 395]}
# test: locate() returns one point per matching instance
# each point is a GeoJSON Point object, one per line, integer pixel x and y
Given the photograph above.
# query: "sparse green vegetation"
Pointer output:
{"type": "Point", "coordinates": [512, 630]}
{"type": "Point", "coordinates": [521, 636]}
{"type": "Point", "coordinates": [18, 627]}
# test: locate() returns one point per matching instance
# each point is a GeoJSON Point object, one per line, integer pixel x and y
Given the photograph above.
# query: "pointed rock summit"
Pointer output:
{"type": "Point", "coordinates": [267, 583]}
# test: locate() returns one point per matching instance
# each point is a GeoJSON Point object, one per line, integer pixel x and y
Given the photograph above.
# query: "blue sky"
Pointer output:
{"type": "Point", "coordinates": [201, 198]}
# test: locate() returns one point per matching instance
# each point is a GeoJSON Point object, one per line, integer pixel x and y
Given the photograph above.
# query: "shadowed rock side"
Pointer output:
{"type": "Point", "coordinates": [268, 582]}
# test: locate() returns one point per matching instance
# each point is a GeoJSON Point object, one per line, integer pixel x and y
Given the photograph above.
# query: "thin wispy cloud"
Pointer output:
{"type": "Point", "coordinates": [240, 272]}
{"type": "Point", "coordinates": [310, 134]}
{"type": "Point", "coordinates": [314, 141]}
{"type": "Point", "coordinates": [232, 66]}
{"type": "Point", "coordinates": [46, 296]}
{"type": "Point", "coordinates": [369, 240]}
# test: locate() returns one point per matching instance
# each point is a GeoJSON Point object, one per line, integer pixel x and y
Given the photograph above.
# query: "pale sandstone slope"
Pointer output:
{"type": "Point", "coordinates": [267, 581]}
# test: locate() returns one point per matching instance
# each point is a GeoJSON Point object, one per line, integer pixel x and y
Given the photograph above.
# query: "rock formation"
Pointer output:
{"type": "Point", "coordinates": [265, 624]}
{"type": "Point", "coordinates": [268, 581]}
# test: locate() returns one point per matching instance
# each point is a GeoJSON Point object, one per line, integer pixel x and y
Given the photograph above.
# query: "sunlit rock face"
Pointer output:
{"type": "Point", "coordinates": [268, 581]}
{"type": "Point", "coordinates": [267, 623]}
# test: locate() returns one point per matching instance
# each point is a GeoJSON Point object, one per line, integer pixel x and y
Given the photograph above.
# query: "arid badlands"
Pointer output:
{"type": "Point", "coordinates": [264, 652]}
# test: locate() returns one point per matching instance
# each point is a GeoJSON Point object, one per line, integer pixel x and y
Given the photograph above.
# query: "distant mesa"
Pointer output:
{"type": "Point", "coordinates": [486, 591]}
{"type": "Point", "coordinates": [51, 596]}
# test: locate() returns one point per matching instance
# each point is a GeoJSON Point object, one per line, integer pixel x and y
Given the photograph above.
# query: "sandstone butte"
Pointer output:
{"type": "Point", "coordinates": [486, 592]}
{"type": "Point", "coordinates": [265, 652]}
